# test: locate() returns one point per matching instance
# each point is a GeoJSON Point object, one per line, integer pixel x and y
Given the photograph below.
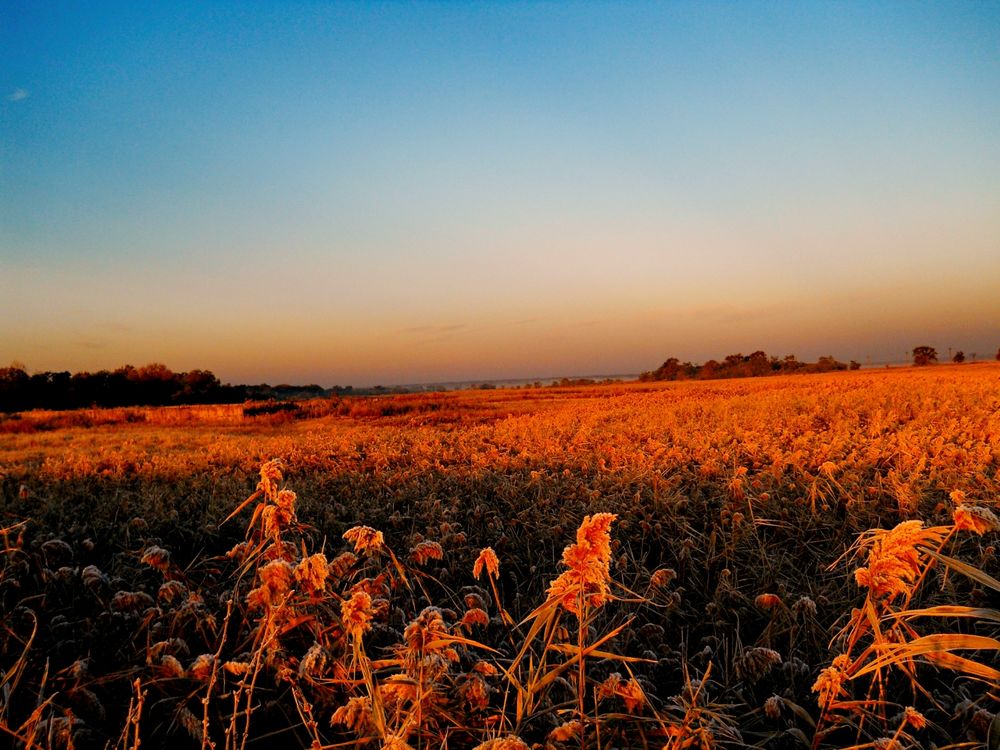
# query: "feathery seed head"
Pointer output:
{"type": "Point", "coordinates": [156, 557]}
{"type": "Point", "coordinates": [914, 718]}
{"type": "Point", "coordinates": [566, 731]}
{"type": "Point", "coordinates": [975, 518]}
{"type": "Point", "coordinates": [894, 560]}
{"type": "Point", "coordinates": [424, 552]}
{"type": "Point", "coordinates": [585, 582]}
{"type": "Point", "coordinates": [662, 578]}
{"type": "Point", "coordinates": [270, 476]}
{"type": "Point", "coordinates": [772, 707]}
{"type": "Point", "coordinates": [475, 616]}
{"type": "Point", "coordinates": [202, 667]}
{"type": "Point", "coordinates": [285, 499]}
{"type": "Point", "coordinates": [311, 573]}
{"type": "Point", "coordinates": [356, 614]}
{"type": "Point", "coordinates": [487, 560]}
{"type": "Point", "coordinates": [830, 682]}
{"type": "Point", "coordinates": [275, 581]}
{"type": "Point", "coordinates": [366, 540]}
{"type": "Point", "coordinates": [355, 715]}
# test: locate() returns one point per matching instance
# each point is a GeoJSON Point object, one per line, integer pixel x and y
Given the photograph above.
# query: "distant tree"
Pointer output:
{"type": "Point", "coordinates": [998, 355]}
{"type": "Point", "coordinates": [15, 388]}
{"type": "Point", "coordinates": [669, 370]}
{"type": "Point", "coordinates": [854, 365]}
{"type": "Point", "coordinates": [827, 363]}
{"type": "Point", "coordinates": [196, 387]}
{"type": "Point", "coordinates": [757, 364]}
{"type": "Point", "coordinates": [154, 384]}
{"type": "Point", "coordinates": [791, 364]}
{"type": "Point", "coordinates": [709, 370]}
{"type": "Point", "coordinates": [154, 371]}
{"type": "Point", "coordinates": [13, 375]}
{"type": "Point", "coordinates": [924, 355]}
{"type": "Point", "coordinates": [959, 357]}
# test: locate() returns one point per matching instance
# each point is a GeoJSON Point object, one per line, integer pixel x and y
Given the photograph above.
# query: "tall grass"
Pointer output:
{"type": "Point", "coordinates": [618, 567]}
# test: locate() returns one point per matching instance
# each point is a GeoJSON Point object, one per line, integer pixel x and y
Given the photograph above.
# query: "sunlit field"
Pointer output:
{"type": "Point", "coordinates": [796, 561]}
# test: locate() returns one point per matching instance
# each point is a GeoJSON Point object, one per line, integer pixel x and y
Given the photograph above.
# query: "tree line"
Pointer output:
{"type": "Point", "coordinates": [151, 385]}
{"type": "Point", "coordinates": [755, 365]}
{"type": "Point", "coordinates": [927, 355]}
{"type": "Point", "coordinates": [759, 364]}
{"type": "Point", "coordinates": [154, 384]}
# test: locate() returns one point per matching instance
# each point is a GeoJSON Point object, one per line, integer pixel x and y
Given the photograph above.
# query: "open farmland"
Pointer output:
{"type": "Point", "coordinates": [735, 598]}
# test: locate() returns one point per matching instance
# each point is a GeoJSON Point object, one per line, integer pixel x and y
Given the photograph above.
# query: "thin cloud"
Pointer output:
{"type": "Point", "coordinates": [434, 329]}
{"type": "Point", "coordinates": [730, 314]}
{"type": "Point", "coordinates": [445, 333]}
{"type": "Point", "coordinates": [19, 95]}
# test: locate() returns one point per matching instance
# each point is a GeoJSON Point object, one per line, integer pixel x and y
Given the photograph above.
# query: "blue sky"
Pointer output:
{"type": "Point", "coordinates": [396, 192]}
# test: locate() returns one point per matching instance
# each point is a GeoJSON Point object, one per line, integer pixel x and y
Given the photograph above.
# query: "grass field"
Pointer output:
{"type": "Point", "coordinates": [678, 565]}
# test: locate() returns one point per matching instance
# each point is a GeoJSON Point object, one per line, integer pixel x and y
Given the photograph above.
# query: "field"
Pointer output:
{"type": "Point", "coordinates": [676, 565]}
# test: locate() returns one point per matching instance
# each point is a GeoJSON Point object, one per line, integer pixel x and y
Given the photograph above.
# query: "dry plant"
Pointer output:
{"type": "Point", "coordinates": [637, 565]}
{"type": "Point", "coordinates": [880, 636]}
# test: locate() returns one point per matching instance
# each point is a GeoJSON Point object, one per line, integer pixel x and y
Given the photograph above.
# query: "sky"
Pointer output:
{"type": "Point", "coordinates": [361, 193]}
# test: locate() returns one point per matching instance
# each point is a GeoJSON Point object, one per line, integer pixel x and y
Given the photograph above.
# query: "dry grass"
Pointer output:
{"type": "Point", "coordinates": [801, 561]}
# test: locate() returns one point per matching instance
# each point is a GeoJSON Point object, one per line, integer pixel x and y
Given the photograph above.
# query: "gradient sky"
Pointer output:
{"type": "Point", "coordinates": [405, 192]}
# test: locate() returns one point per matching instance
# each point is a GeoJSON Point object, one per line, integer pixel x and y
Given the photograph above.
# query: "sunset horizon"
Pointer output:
{"type": "Point", "coordinates": [404, 193]}
{"type": "Point", "coordinates": [514, 377]}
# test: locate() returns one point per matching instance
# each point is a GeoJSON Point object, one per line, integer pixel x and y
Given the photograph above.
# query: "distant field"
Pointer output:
{"type": "Point", "coordinates": [726, 573]}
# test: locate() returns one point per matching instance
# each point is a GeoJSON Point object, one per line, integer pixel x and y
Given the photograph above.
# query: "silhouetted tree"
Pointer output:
{"type": "Point", "coordinates": [669, 370]}
{"type": "Point", "coordinates": [791, 364]}
{"type": "Point", "coordinates": [959, 357]}
{"type": "Point", "coordinates": [154, 371]}
{"type": "Point", "coordinates": [151, 385]}
{"type": "Point", "coordinates": [709, 370]}
{"type": "Point", "coordinates": [14, 383]}
{"type": "Point", "coordinates": [924, 355]}
{"type": "Point", "coordinates": [757, 364]}
{"type": "Point", "coordinates": [827, 363]}
{"type": "Point", "coordinates": [197, 387]}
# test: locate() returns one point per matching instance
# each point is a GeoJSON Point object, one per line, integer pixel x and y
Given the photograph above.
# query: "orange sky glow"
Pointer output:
{"type": "Point", "coordinates": [353, 194]}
